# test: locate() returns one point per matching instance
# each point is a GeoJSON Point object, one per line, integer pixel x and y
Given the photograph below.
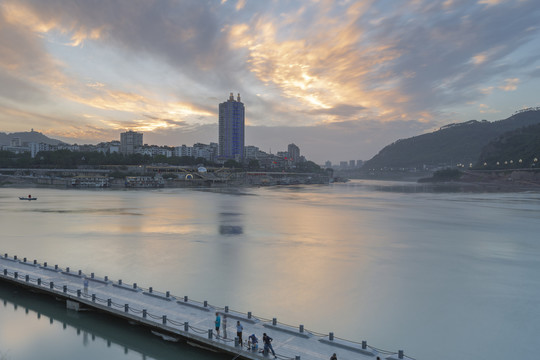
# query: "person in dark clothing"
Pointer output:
{"type": "Point", "coordinates": [239, 329]}
{"type": "Point", "coordinates": [333, 357]}
{"type": "Point", "coordinates": [267, 340]}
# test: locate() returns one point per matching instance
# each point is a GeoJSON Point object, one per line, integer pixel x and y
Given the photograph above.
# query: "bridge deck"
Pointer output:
{"type": "Point", "coordinates": [167, 314]}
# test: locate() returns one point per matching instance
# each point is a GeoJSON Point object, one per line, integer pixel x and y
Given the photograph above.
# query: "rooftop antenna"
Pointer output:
{"type": "Point", "coordinates": [238, 97]}
{"type": "Point", "coordinates": [231, 97]}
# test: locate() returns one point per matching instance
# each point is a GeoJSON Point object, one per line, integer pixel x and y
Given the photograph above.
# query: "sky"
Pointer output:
{"type": "Point", "coordinates": [340, 79]}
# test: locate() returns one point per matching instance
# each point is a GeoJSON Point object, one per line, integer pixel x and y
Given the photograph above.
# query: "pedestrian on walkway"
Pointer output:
{"type": "Point", "coordinates": [218, 323]}
{"type": "Point", "coordinates": [85, 286]}
{"type": "Point", "coordinates": [253, 343]}
{"type": "Point", "coordinates": [267, 340]}
{"type": "Point", "coordinates": [239, 329]}
{"type": "Point", "coordinates": [334, 357]}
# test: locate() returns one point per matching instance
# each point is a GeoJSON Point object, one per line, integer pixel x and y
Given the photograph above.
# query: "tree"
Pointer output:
{"type": "Point", "coordinates": [232, 164]}
{"type": "Point", "coordinates": [254, 164]}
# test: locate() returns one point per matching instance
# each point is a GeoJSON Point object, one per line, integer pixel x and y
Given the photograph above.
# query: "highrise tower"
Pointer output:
{"type": "Point", "coordinates": [231, 129]}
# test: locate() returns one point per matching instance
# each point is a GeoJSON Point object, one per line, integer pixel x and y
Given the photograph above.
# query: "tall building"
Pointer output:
{"type": "Point", "coordinates": [294, 153]}
{"type": "Point", "coordinates": [130, 141]}
{"type": "Point", "coordinates": [231, 129]}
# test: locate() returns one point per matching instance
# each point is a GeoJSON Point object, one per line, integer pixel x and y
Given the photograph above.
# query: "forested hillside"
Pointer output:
{"type": "Point", "coordinates": [450, 145]}
{"type": "Point", "coordinates": [516, 149]}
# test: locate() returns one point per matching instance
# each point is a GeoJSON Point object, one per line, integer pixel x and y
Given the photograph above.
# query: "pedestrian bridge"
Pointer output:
{"type": "Point", "coordinates": [178, 318]}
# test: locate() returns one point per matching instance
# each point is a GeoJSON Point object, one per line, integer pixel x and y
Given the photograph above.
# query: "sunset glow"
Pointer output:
{"type": "Point", "coordinates": [82, 72]}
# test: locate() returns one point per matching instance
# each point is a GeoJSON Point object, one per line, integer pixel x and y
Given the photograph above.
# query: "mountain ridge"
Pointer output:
{"type": "Point", "coordinates": [27, 137]}
{"type": "Point", "coordinates": [451, 144]}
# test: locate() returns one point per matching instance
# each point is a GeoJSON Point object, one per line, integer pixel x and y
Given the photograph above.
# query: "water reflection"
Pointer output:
{"type": "Point", "coordinates": [230, 217]}
{"type": "Point", "coordinates": [24, 337]}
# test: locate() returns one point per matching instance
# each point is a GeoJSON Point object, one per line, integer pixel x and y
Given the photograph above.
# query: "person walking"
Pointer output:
{"type": "Point", "coordinates": [267, 340]}
{"type": "Point", "coordinates": [85, 286]}
{"type": "Point", "coordinates": [218, 323]}
{"type": "Point", "coordinates": [333, 357]}
{"type": "Point", "coordinates": [239, 329]}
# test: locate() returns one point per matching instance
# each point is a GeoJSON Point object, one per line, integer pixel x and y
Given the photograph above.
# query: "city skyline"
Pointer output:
{"type": "Point", "coordinates": [339, 79]}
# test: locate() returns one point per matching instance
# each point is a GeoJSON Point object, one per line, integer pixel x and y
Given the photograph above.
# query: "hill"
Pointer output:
{"type": "Point", "coordinates": [27, 137]}
{"type": "Point", "coordinates": [514, 149]}
{"type": "Point", "coordinates": [451, 144]}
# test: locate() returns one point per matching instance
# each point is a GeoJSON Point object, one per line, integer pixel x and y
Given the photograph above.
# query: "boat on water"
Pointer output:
{"type": "Point", "coordinates": [27, 198]}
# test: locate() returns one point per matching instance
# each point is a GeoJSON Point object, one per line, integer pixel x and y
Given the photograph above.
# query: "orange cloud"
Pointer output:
{"type": "Point", "coordinates": [490, 2]}
{"type": "Point", "coordinates": [510, 84]}
{"type": "Point", "coordinates": [100, 97]}
{"type": "Point", "coordinates": [332, 68]}
{"type": "Point", "coordinates": [19, 14]}
{"type": "Point", "coordinates": [479, 59]}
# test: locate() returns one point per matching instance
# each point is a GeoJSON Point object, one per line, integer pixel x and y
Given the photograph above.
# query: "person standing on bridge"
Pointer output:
{"type": "Point", "coordinates": [267, 340]}
{"type": "Point", "coordinates": [239, 329]}
{"type": "Point", "coordinates": [218, 323]}
{"type": "Point", "coordinates": [85, 286]}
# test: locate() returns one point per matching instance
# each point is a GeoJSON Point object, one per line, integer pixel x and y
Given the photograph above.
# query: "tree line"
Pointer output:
{"type": "Point", "coordinates": [66, 159]}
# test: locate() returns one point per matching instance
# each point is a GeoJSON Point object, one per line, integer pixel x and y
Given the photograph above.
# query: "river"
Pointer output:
{"type": "Point", "coordinates": [441, 275]}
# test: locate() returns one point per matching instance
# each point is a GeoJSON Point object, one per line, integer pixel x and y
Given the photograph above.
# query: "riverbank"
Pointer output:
{"type": "Point", "coordinates": [189, 180]}
{"type": "Point", "coordinates": [492, 181]}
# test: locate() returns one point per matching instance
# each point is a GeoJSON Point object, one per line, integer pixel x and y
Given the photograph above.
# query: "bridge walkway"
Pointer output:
{"type": "Point", "coordinates": [176, 318]}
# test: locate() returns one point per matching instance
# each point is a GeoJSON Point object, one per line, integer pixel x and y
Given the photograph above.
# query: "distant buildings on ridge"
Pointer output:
{"type": "Point", "coordinates": [345, 165]}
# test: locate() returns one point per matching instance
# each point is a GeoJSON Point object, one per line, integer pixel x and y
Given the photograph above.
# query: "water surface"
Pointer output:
{"type": "Point", "coordinates": [441, 275]}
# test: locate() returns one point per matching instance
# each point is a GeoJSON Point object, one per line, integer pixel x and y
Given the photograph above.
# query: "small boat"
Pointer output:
{"type": "Point", "coordinates": [27, 198]}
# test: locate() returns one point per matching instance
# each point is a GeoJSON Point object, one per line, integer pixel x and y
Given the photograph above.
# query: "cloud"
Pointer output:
{"type": "Point", "coordinates": [485, 109]}
{"type": "Point", "coordinates": [25, 65]}
{"type": "Point", "coordinates": [163, 66]}
{"type": "Point", "coordinates": [452, 52]}
{"type": "Point", "coordinates": [510, 84]}
{"type": "Point", "coordinates": [317, 72]}
{"type": "Point", "coordinates": [184, 34]}
{"type": "Point", "coordinates": [490, 2]}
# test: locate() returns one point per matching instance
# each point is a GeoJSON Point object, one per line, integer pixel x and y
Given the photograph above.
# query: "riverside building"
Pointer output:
{"type": "Point", "coordinates": [231, 129]}
{"type": "Point", "coordinates": [130, 141]}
